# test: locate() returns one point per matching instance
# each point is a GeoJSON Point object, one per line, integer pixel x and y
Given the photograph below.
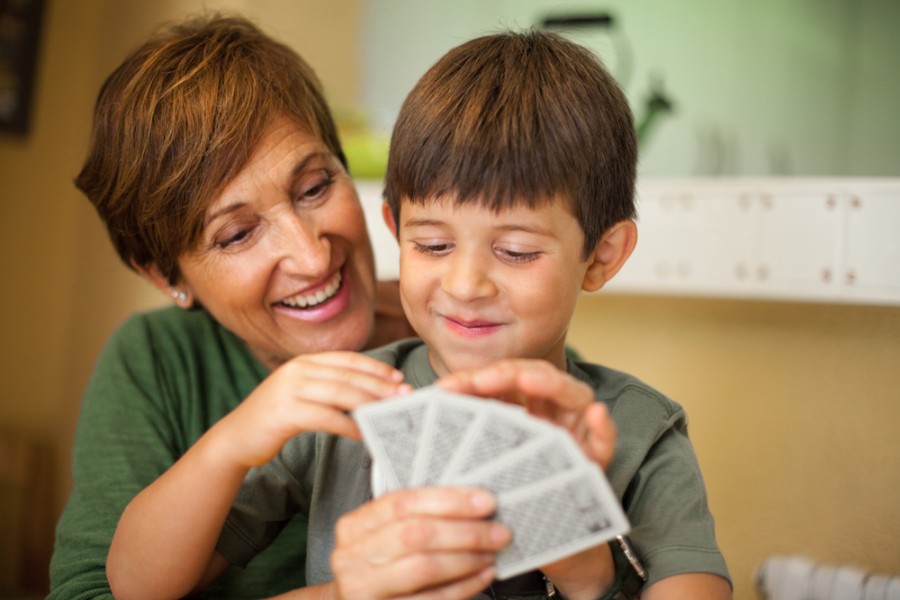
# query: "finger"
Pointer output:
{"type": "Point", "coordinates": [344, 392]}
{"type": "Point", "coordinates": [449, 502]}
{"type": "Point", "coordinates": [415, 576]}
{"type": "Point", "coordinates": [316, 417]}
{"type": "Point", "coordinates": [305, 373]}
{"type": "Point", "coordinates": [454, 577]}
{"type": "Point", "coordinates": [561, 388]}
{"type": "Point", "coordinates": [407, 537]}
{"type": "Point", "coordinates": [523, 379]}
{"type": "Point", "coordinates": [256, 438]}
{"type": "Point", "coordinates": [354, 361]}
{"type": "Point", "coordinates": [460, 589]}
{"type": "Point", "coordinates": [491, 380]}
{"type": "Point", "coordinates": [601, 437]}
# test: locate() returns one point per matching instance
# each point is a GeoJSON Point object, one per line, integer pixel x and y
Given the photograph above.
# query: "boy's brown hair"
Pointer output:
{"type": "Point", "coordinates": [517, 117]}
{"type": "Point", "coordinates": [178, 119]}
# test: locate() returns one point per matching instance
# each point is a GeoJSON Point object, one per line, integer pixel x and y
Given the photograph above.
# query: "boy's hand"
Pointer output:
{"type": "Point", "coordinates": [558, 397]}
{"type": "Point", "coordinates": [311, 392]}
{"type": "Point", "coordinates": [424, 542]}
{"type": "Point", "coordinates": [547, 393]}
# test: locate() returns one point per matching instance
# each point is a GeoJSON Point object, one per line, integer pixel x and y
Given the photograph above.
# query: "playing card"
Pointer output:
{"type": "Point", "coordinates": [557, 517]}
{"type": "Point", "coordinates": [550, 453]}
{"type": "Point", "coordinates": [555, 501]}
{"type": "Point", "coordinates": [447, 420]}
{"type": "Point", "coordinates": [498, 428]}
{"type": "Point", "coordinates": [392, 432]}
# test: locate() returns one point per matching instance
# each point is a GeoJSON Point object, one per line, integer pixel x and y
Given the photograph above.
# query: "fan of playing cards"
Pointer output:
{"type": "Point", "coordinates": [555, 500]}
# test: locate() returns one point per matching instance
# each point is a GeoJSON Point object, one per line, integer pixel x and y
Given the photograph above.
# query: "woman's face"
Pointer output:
{"type": "Point", "coordinates": [284, 259]}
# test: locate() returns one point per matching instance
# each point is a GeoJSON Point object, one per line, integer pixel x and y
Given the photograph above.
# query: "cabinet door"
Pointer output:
{"type": "Point", "coordinates": [690, 241]}
{"type": "Point", "coordinates": [871, 259]}
{"type": "Point", "coordinates": [797, 244]}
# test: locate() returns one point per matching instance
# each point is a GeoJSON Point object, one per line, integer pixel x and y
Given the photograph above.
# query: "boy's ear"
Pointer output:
{"type": "Point", "coordinates": [610, 254]}
{"type": "Point", "coordinates": [180, 295]}
{"type": "Point", "coordinates": [388, 216]}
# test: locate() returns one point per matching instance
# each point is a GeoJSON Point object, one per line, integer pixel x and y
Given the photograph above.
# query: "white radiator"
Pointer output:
{"type": "Point", "coordinates": [799, 578]}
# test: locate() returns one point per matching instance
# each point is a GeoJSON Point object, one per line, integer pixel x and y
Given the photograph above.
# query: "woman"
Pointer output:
{"type": "Point", "coordinates": [216, 167]}
{"type": "Point", "coordinates": [261, 240]}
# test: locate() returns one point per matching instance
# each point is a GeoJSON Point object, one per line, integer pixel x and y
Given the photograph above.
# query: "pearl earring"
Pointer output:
{"type": "Point", "coordinates": [180, 296]}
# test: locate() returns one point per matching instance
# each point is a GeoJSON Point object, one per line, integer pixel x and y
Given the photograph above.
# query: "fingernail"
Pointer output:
{"type": "Point", "coordinates": [482, 502]}
{"type": "Point", "coordinates": [488, 558]}
{"type": "Point", "coordinates": [500, 535]}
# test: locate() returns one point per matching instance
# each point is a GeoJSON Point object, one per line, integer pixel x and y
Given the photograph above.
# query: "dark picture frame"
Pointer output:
{"type": "Point", "coordinates": [20, 24]}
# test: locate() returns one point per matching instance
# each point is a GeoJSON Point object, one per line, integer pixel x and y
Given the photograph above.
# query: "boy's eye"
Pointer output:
{"type": "Point", "coordinates": [515, 256]}
{"type": "Point", "coordinates": [433, 249]}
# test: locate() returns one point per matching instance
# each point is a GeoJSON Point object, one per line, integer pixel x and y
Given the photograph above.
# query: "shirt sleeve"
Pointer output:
{"type": "Point", "coordinates": [124, 440]}
{"type": "Point", "coordinates": [665, 496]}
{"type": "Point", "coordinates": [673, 526]}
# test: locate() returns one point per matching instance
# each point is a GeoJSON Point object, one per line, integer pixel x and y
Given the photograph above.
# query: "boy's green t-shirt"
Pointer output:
{"type": "Point", "coordinates": [162, 380]}
{"type": "Point", "coordinates": [654, 474]}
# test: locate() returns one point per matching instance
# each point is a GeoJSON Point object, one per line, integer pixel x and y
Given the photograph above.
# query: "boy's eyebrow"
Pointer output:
{"type": "Point", "coordinates": [526, 227]}
{"type": "Point", "coordinates": [422, 222]}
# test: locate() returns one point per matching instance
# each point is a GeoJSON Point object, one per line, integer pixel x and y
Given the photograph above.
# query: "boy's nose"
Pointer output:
{"type": "Point", "coordinates": [467, 278]}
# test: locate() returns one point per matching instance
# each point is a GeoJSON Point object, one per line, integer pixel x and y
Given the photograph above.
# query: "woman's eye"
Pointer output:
{"type": "Point", "coordinates": [225, 241]}
{"type": "Point", "coordinates": [433, 249]}
{"type": "Point", "coordinates": [315, 186]}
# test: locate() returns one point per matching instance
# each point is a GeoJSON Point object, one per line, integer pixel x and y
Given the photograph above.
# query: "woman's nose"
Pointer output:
{"type": "Point", "coordinates": [302, 248]}
{"type": "Point", "coordinates": [467, 277]}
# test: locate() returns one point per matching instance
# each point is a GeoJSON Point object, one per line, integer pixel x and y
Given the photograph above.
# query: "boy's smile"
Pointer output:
{"type": "Point", "coordinates": [479, 285]}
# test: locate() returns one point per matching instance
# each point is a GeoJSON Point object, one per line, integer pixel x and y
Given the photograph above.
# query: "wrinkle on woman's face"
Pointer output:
{"type": "Point", "coordinates": [284, 259]}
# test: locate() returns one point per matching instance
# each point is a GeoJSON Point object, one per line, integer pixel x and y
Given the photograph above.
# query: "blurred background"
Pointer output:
{"type": "Point", "coordinates": [794, 405]}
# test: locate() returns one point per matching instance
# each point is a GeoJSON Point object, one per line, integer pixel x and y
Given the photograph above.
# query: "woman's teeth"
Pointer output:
{"type": "Point", "coordinates": [310, 300]}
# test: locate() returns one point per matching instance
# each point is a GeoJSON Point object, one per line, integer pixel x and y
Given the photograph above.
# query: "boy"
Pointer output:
{"type": "Point", "coordinates": [510, 189]}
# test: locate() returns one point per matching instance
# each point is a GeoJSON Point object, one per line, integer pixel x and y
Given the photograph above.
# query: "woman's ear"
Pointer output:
{"type": "Point", "coordinates": [388, 216]}
{"type": "Point", "coordinates": [179, 294]}
{"type": "Point", "coordinates": [610, 254]}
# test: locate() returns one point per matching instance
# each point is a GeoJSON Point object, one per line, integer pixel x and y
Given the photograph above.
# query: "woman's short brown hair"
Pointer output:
{"type": "Point", "coordinates": [517, 117]}
{"type": "Point", "coordinates": [178, 119]}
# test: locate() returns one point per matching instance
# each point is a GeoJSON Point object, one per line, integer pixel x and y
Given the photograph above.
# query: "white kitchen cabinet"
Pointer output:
{"type": "Point", "coordinates": [834, 240]}
{"type": "Point", "coordinates": [870, 261]}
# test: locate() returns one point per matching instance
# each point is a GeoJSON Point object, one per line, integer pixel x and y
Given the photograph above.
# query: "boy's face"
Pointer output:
{"type": "Point", "coordinates": [479, 286]}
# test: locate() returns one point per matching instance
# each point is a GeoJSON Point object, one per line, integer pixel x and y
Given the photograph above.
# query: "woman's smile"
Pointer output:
{"type": "Point", "coordinates": [321, 305]}
{"type": "Point", "coordinates": [312, 299]}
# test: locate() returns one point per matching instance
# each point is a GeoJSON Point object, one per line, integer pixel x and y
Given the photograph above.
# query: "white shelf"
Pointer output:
{"type": "Point", "coordinates": [824, 240]}
{"type": "Point", "coordinates": [821, 240]}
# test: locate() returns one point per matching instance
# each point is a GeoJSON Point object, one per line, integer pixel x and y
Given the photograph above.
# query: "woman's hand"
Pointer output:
{"type": "Point", "coordinates": [424, 542]}
{"type": "Point", "coordinates": [190, 501]}
{"type": "Point", "coordinates": [547, 393]}
{"type": "Point", "coordinates": [311, 392]}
